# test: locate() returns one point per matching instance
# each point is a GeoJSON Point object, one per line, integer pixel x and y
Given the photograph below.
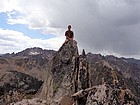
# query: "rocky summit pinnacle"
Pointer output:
{"type": "Point", "coordinates": [60, 83]}
{"type": "Point", "coordinates": [71, 80]}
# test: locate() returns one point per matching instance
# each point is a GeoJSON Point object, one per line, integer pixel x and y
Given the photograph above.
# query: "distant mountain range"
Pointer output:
{"type": "Point", "coordinates": [31, 52]}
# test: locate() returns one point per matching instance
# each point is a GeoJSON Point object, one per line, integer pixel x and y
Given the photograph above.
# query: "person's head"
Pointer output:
{"type": "Point", "coordinates": [69, 27]}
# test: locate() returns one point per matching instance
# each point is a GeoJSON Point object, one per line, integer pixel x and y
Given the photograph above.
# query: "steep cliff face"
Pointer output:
{"type": "Point", "coordinates": [71, 80]}
{"type": "Point", "coordinates": [61, 75]}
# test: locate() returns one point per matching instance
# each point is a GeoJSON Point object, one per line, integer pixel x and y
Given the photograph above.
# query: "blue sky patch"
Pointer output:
{"type": "Point", "coordinates": [22, 28]}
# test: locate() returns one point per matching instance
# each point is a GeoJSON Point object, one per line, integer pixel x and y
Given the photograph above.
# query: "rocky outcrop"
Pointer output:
{"type": "Point", "coordinates": [107, 86]}
{"type": "Point", "coordinates": [61, 75]}
{"type": "Point", "coordinates": [111, 87]}
{"type": "Point", "coordinates": [72, 80]}
{"type": "Point", "coordinates": [128, 67]}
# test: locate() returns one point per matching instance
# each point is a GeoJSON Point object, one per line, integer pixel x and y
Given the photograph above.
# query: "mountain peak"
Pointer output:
{"type": "Point", "coordinates": [60, 82]}
{"type": "Point", "coordinates": [71, 79]}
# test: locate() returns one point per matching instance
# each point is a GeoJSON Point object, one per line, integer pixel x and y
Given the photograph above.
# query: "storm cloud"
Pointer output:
{"type": "Point", "coordinates": [110, 26]}
{"type": "Point", "coordinates": [100, 26]}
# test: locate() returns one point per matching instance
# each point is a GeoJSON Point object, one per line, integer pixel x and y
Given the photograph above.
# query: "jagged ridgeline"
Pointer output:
{"type": "Point", "coordinates": [45, 77]}
{"type": "Point", "coordinates": [72, 80]}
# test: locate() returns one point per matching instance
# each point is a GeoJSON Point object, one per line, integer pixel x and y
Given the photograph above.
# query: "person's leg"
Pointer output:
{"type": "Point", "coordinates": [66, 41]}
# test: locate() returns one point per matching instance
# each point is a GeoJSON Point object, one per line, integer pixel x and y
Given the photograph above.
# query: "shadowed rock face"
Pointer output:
{"type": "Point", "coordinates": [21, 82]}
{"type": "Point", "coordinates": [17, 86]}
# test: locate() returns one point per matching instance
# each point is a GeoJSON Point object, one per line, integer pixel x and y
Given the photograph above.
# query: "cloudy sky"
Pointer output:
{"type": "Point", "coordinates": [100, 26]}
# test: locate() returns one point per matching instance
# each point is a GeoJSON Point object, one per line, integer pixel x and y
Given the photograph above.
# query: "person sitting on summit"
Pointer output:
{"type": "Point", "coordinates": [69, 37]}
{"type": "Point", "coordinates": [69, 34]}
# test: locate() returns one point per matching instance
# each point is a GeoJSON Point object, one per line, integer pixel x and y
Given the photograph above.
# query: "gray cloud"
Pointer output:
{"type": "Point", "coordinates": [110, 26]}
{"type": "Point", "coordinates": [14, 41]}
{"type": "Point", "coordinates": [105, 25]}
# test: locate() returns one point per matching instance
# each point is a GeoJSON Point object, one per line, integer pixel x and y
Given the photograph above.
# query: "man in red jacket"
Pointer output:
{"type": "Point", "coordinates": [69, 34]}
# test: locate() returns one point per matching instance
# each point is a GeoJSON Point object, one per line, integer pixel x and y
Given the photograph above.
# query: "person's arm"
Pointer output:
{"type": "Point", "coordinates": [72, 34]}
{"type": "Point", "coordinates": [66, 33]}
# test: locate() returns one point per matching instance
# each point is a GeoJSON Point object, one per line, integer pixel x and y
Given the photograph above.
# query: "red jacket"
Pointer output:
{"type": "Point", "coordinates": [69, 34]}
